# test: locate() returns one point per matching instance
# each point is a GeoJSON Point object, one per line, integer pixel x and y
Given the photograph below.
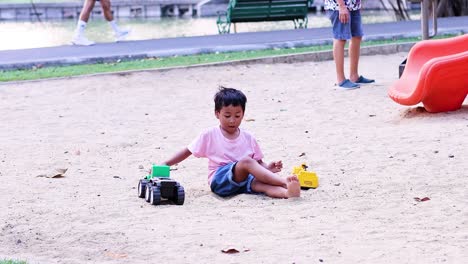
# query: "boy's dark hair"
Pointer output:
{"type": "Point", "coordinates": [229, 96]}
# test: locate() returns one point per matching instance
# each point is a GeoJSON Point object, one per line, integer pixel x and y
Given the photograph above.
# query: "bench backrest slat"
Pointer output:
{"type": "Point", "coordinates": [266, 10]}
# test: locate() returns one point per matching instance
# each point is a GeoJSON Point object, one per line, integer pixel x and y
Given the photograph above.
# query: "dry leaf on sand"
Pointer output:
{"type": "Point", "coordinates": [417, 199]}
{"type": "Point", "coordinates": [233, 250]}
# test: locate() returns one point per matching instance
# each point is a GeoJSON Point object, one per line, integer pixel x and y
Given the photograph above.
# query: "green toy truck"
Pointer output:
{"type": "Point", "coordinates": [157, 186]}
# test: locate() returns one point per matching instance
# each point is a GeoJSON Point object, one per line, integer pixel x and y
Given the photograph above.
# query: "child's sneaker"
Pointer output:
{"type": "Point", "coordinates": [81, 40]}
{"type": "Point", "coordinates": [121, 35]}
{"type": "Point", "coordinates": [364, 80]}
{"type": "Point", "coordinates": [348, 85]}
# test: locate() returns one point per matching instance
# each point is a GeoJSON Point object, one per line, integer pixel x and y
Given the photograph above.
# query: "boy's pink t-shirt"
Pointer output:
{"type": "Point", "coordinates": [220, 151]}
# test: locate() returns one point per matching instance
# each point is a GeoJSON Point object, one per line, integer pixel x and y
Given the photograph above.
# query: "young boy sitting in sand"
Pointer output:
{"type": "Point", "coordinates": [234, 158]}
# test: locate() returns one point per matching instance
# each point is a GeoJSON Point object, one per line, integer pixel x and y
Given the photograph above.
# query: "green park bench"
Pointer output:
{"type": "Point", "coordinates": [263, 10]}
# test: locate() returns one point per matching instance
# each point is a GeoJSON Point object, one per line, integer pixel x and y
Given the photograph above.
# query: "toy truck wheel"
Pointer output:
{"type": "Point", "coordinates": [155, 196]}
{"type": "Point", "coordinates": [148, 192]}
{"type": "Point", "coordinates": [142, 188]}
{"type": "Point", "coordinates": [179, 195]}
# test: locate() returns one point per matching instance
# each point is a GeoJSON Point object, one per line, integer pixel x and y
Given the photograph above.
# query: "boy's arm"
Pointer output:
{"type": "Point", "coordinates": [178, 157]}
{"type": "Point", "coordinates": [274, 166]}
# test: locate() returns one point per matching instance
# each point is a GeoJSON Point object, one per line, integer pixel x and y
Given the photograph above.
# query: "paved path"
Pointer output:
{"type": "Point", "coordinates": [106, 52]}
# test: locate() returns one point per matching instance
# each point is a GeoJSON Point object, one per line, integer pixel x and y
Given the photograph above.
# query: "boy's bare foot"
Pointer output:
{"type": "Point", "coordinates": [294, 188]}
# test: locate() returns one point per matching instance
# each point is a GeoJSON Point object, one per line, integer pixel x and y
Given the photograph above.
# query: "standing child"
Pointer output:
{"type": "Point", "coordinates": [345, 16]}
{"type": "Point", "coordinates": [234, 158]}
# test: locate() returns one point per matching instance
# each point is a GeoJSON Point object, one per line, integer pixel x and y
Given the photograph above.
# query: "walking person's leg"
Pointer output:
{"type": "Point", "coordinates": [86, 10]}
{"type": "Point", "coordinates": [120, 34]}
{"type": "Point", "coordinates": [106, 10]}
{"type": "Point", "coordinates": [79, 37]}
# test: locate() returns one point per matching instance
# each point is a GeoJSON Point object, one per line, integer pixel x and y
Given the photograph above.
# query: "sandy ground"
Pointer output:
{"type": "Point", "coordinates": [373, 158]}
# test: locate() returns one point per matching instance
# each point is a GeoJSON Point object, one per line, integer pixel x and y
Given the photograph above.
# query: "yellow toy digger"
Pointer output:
{"type": "Point", "coordinates": [307, 179]}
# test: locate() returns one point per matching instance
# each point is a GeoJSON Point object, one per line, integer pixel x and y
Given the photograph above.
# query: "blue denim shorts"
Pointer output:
{"type": "Point", "coordinates": [345, 31]}
{"type": "Point", "coordinates": [223, 185]}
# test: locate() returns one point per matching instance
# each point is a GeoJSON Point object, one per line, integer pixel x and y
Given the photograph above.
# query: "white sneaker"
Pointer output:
{"type": "Point", "coordinates": [121, 35]}
{"type": "Point", "coordinates": [81, 40]}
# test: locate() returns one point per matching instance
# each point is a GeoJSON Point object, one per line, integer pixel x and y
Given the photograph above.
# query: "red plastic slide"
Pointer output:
{"type": "Point", "coordinates": [436, 74]}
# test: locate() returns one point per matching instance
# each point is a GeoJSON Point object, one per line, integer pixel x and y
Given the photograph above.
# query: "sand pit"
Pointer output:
{"type": "Point", "coordinates": [373, 158]}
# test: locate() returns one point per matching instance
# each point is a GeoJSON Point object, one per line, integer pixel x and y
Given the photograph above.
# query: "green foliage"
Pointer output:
{"type": "Point", "coordinates": [9, 261]}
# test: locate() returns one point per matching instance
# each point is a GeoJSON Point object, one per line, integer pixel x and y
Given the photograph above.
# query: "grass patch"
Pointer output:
{"type": "Point", "coordinates": [150, 63]}
{"type": "Point", "coordinates": [166, 62]}
{"type": "Point", "coordinates": [10, 261]}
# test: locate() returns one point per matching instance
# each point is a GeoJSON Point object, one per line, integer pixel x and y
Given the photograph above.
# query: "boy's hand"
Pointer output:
{"type": "Point", "coordinates": [275, 166]}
